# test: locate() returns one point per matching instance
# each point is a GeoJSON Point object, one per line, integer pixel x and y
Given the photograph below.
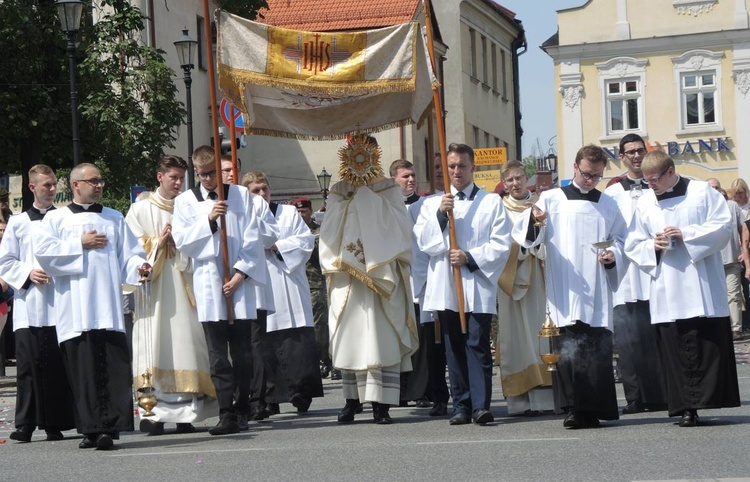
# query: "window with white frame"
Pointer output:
{"type": "Point", "coordinates": [623, 105]}
{"type": "Point", "coordinates": [622, 83]}
{"type": "Point", "coordinates": [698, 98]}
{"type": "Point", "coordinates": [698, 77]}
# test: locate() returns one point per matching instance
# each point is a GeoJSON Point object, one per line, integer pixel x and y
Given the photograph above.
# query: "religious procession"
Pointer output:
{"type": "Point", "coordinates": [211, 299]}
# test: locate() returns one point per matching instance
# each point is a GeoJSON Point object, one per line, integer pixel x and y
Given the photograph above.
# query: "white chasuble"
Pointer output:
{"type": "Point", "coordinates": [168, 339]}
{"type": "Point", "coordinates": [365, 246]}
{"type": "Point", "coordinates": [578, 286]}
{"type": "Point", "coordinates": [32, 303]}
{"type": "Point", "coordinates": [88, 282]}
{"type": "Point", "coordinates": [193, 236]}
{"type": "Point", "coordinates": [286, 267]}
{"type": "Point", "coordinates": [483, 231]}
{"type": "Point", "coordinates": [687, 281]}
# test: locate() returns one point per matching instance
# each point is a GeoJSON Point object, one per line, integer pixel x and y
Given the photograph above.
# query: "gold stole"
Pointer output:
{"type": "Point", "coordinates": [168, 251]}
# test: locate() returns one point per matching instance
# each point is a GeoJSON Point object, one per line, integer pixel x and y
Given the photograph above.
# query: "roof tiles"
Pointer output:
{"type": "Point", "coordinates": [334, 15]}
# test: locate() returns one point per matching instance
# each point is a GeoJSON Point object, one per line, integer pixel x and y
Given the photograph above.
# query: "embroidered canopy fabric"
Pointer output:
{"type": "Point", "coordinates": [323, 85]}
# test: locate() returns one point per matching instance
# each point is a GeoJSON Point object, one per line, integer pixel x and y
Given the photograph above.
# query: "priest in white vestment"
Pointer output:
{"type": "Point", "coordinates": [365, 247]}
{"type": "Point", "coordinates": [635, 337]}
{"type": "Point", "coordinates": [168, 341]}
{"type": "Point", "coordinates": [293, 366]}
{"type": "Point", "coordinates": [198, 218]}
{"type": "Point", "coordinates": [580, 281]}
{"type": "Point", "coordinates": [521, 301]}
{"type": "Point", "coordinates": [676, 238]}
{"type": "Point", "coordinates": [43, 396]}
{"type": "Point", "coordinates": [89, 252]}
{"type": "Point", "coordinates": [483, 245]}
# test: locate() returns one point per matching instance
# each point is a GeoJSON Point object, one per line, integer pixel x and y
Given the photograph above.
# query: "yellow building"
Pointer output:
{"type": "Point", "coordinates": [676, 72]}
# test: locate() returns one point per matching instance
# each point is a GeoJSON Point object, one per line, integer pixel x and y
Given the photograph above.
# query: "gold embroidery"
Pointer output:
{"type": "Point", "coordinates": [357, 250]}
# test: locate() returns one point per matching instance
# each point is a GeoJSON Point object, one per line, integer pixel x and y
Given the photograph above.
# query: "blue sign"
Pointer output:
{"type": "Point", "coordinates": [135, 191]}
{"type": "Point", "coordinates": [239, 121]}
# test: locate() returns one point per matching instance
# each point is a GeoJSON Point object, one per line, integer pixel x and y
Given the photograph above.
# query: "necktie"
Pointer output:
{"type": "Point", "coordinates": [213, 196]}
{"type": "Point", "coordinates": [461, 195]}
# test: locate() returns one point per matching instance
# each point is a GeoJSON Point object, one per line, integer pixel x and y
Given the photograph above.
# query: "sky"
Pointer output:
{"type": "Point", "coordinates": [539, 19]}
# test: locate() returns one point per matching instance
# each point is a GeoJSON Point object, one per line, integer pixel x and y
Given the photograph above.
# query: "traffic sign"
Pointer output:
{"type": "Point", "coordinates": [239, 122]}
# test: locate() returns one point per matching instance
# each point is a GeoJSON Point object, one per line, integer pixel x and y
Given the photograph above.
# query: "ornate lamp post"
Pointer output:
{"type": "Point", "coordinates": [70, 12]}
{"type": "Point", "coordinates": [324, 180]}
{"type": "Point", "coordinates": [186, 48]}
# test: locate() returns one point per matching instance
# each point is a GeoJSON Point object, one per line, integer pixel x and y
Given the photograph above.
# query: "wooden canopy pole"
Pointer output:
{"type": "Point", "coordinates": [217, 150]}
{"type": "Point", "coordinates": [446, 178]}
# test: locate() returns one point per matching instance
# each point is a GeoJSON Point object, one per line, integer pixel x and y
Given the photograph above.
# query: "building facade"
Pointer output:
{"type": "Point", "coordinates": [676, 72]}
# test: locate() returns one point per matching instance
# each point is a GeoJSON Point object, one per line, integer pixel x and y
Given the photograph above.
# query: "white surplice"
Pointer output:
{"type": "Point", "coordinates": [635, 284]}
{"type": "Point", "coordinates": [687, 281]}
{"type": "Point", "coordinates": [32, 305]}
{"type": "Point", "coordinates": [88, 282]}
{"type": "Point", "coordinates": [168, 340]}
{"type": "Point", "coordinates": [268, 233]}
{"type": "Point", "coordinates": [193, 236]}
{"type": "Point", "coordinates": [578, 286]}
{"type": "Point", "coordinates": [482, 230]}
{"type": "Point", "coordinates": [291, 290]}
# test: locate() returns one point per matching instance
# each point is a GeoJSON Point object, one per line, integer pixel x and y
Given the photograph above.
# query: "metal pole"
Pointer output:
{"type": "Point", "coordinates": [189, 106]}
{"type": "Point", "coordinates": [74, 98]}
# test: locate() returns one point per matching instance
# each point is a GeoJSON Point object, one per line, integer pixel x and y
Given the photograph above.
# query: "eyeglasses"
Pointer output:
{"type": "Point", "coordinates": [206, 175]}
{"type": "Point", "coordinates": [632, 152]}
{"type": "Point", "coordinates": [515, 179]}
{"type": "Point", "coordinates": [590, 177]}
{"type": "Point", "coordinates": [654, 180]}
{"type": "Point", "coordinates": [93, 182]}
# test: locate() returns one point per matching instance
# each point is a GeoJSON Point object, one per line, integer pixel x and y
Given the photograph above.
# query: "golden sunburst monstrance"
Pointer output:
{"type": "Point", "coordinates": [360, 161]}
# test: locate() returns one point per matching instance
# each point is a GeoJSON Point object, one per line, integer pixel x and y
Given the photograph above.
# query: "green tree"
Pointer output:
{"type": "Point", "coordinates": [128, 108]}
{"type": "Point", "coordinates": [529, 163]}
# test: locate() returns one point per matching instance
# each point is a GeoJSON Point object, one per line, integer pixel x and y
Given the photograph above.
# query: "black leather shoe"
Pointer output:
{"type": "Point", "coordinates": [482, 416]}
{"type": "Point", "coordinates": [423, 403]}
{"type": "Point", "coordinates": [590, 421]}
{"type": "Point", "coordinates": [186, 428]}
{"type": "Point", "coordinates": [54, 435]}
{"type": "Point", "coordinates": [273, 408]}
{"type": "Point", "coordinates": [151, 427]}
{"type": "Point", "coordinates": [380, 413]}
{"type": "Point", "coordinates": [689, 419]}
{"type": "Point", "coordinates": [633, 407]}
{"type": "Point", "coordinates": [574, 421]}
{"type": "Point", "coordinates": [104, 441]}
{"type": "Point", "coordinates": [227, 425]}
{"type": "Point", "coordinates": [242, 423]}
{"type": "Point", "coordinates": [22, 434]}
{"type": "Point", "coordinates": [325, 370]}
{"type": "Point", "coordinates": [439, 410]}
{"type": "Point", "coordinates": [335, 374]}
{"type": "Point", "coordinates": [346, 415]}
{"type": "Point", "coordinates": [261, 414]}
{"type": "Point", "coordinates": [87, 442]}
{"type": "Point", "coordinates": [460, 418]}
{"type": "Point", "coordinates": [300, 402]}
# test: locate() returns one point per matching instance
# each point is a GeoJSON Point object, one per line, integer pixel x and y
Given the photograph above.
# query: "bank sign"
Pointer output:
{"type": "Point", "coordinates": [685, 148]}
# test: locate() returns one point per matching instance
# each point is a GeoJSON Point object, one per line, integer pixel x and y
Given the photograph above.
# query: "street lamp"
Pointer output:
{"type": "Point", "coordinates": [186, 48]}
{"type": "Point", "coordinates": [324, 180]}
{"type": "Point", "coordinates": [70, 12]}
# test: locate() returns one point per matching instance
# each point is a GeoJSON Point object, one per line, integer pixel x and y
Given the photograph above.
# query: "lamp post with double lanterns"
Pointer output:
{"type": "Point", "coordinates": [324, 180]}
{"type": "Point", "coordinates": [186, 48]}
{"type": "Point", "coordinates": [70, 12]}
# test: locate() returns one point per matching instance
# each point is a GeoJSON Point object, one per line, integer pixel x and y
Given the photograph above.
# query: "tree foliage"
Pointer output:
{"type": "Point", "coordinates": [243, 8]}
{"type": "Point", "coordinates": [529, 163]}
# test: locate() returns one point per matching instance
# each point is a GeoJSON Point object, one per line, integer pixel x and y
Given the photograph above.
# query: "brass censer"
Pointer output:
{"type": "Point", "coordinates": [147, 393]}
